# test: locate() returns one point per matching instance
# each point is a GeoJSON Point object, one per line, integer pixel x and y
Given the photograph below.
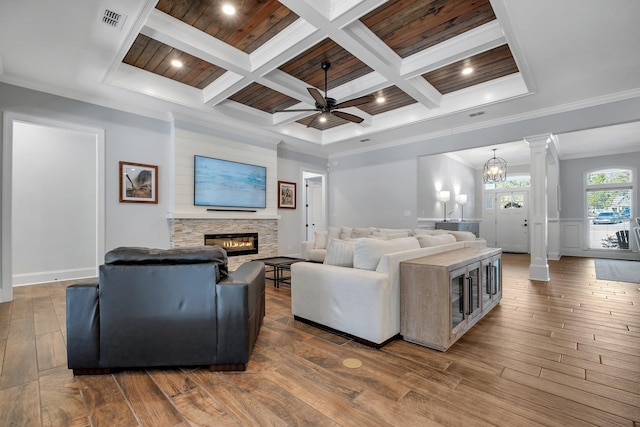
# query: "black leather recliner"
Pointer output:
{"type": "Point", "coordinates": [174, 307]}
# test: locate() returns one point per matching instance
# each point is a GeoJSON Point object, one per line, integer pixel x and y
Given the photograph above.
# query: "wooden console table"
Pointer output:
{"type": "Point", "coordinates": [442, 296]}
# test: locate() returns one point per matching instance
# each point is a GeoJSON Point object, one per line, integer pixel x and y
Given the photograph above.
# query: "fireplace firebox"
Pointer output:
{"type": "Point", "coordinates": [234, 243]}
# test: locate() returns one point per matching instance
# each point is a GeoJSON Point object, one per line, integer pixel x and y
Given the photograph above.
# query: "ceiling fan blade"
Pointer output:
{"type": "Point", "coordinates": [315, 120]}
{"type": "Point", "coordinates": [356, 101]}
{"type": "Point", "coordinates": [317, 96]}
{"type": "Point", "coordinates": [347, 116]}
{"type": "Point", "coordinates": [294, 110]}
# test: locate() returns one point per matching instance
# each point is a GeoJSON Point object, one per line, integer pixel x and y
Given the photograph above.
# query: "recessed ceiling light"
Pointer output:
{"type": "Point", "coordinates": [176, 63]}
{"type": "Point", "coordinates": [380, 100]}
{"type": "Point", "coordinates": [466, 71]}
{"type": "Point", "coordinates": [228, 9]}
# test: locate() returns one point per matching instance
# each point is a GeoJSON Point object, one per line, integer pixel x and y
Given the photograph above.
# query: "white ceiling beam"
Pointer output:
{"type": "Point", "coordinates": [223, 87]}
{"type": "Point", "coordinates": [171, 31]}
{"type": "Point", "coordinates": [472, 42]}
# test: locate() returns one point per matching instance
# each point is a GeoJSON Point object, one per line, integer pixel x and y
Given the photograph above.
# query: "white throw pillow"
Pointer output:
{"type": "Point", "coordinates": [320, 239]}
{"type": "Point", "coordinates": [334, 233]}
{"type": "Point", "coordinates": [427, 241]}
{"type": "Point", "coordinates": [424, 231]}
{"type": "Point", "coordinates": [390, 236]}
{"type": "Point", "coordinates": [361, 232]}
{"type": "Point", "coordinates": [339, 253]}
{"type": "Point", "coordinates": [346, 233]}
{"type": "Point", "coordinates": [462, 236]}
{"type": "Point", "coordinates": [367, 252]}
{"type": "Point", "coordinates": [395, 231]}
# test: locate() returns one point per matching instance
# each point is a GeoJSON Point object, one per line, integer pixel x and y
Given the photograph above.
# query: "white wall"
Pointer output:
{"type": "Point", "coordinates": [290, 225]}
{"type": "Point", "coordinates": [55, 187]}
{"type": "Point", "coordinates": [189, 143]}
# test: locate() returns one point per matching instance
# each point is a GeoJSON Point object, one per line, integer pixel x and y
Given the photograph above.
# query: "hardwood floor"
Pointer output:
{"type": "Point", "coordinates": [562, 353]}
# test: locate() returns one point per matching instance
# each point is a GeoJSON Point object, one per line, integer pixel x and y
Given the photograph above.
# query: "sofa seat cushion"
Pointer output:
{"type": "Point", "coordinates": [367, 252]}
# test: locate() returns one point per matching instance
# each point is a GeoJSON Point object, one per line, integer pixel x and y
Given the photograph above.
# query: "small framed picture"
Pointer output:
{"type": "Point", "coordinates": [138, 183]}
{"type": "Point", "coordinates": [286, 195]}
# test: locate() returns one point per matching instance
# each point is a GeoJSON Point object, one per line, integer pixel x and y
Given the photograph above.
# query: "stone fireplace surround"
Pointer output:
{"type": "Point", "coordinates": [189, 232]}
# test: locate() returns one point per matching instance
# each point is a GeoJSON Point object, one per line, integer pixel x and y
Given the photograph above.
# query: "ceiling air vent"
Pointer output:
{"type": "Point", "coordinates": [112, 18]}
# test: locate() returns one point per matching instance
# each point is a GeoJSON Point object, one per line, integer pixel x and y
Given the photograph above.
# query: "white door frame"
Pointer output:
{"type": "Point", "coordinates": [306, 173]}
{"type": "Point", "coordinates": [6, 273]}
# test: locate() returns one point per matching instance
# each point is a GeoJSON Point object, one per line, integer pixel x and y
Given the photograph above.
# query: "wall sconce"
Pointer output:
{"type": "Point", "coordinates": [462, 200]}
{"type": "Point", "coordinates": [444, 197]}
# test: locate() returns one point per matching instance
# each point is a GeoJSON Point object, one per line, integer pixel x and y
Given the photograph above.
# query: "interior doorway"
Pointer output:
{"type": "Point", "coordinates": [53, 201]}
{"type": "Point", "coordinates": [314, 203]}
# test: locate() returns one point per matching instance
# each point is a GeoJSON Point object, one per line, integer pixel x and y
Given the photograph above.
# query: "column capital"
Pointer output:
{"type": "Point", "coordinates": [541, 140]}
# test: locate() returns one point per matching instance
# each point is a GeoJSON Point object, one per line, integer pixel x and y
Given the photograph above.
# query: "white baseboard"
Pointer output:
{"type": "Point", "coordinates": [54, 276]}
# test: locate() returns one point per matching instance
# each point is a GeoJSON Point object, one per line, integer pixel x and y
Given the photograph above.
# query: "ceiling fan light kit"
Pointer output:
{"type": "Point", "coordinates": [326, 106]}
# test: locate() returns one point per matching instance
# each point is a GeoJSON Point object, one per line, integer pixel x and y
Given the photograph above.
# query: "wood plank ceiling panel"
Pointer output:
{"type": "Point", "coordinates": [154, 56]}
{"type": "Point", "coordinates": [489, 65]}
{"type": "Point", "coordinates": [394, 98]}
{"type": "Point", "coordinates": [254, 23]}
{"type": "Point", "coordinates": [344, 66]}
{"type": "Point", "coordinates": [410, 26]}
{"type": "Point", "coordinates": [263, 98]}
{"type": "Point", "coordinates": [332, 121]}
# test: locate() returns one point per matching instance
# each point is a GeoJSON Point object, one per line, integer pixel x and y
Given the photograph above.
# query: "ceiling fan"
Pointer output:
{"type": "Point", "coordinates": [326, 106]}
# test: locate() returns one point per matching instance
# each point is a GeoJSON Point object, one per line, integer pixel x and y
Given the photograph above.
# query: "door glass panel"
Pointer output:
{"type": "Point", "coordinates": [497, 286]}
{"type": "Point", "coordinates": [486, 283]}
{"type": "Point", "coordinates": [457, 301]}
{"type": "Point", "coordinates": [474, 294]}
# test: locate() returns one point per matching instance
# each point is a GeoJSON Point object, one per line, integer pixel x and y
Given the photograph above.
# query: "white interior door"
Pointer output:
{"type": "Point", "coordinates": [512, 221]}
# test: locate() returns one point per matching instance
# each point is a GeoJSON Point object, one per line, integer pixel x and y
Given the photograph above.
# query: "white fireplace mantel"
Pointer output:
{"type": "Point", "coordinates": [220, 215]}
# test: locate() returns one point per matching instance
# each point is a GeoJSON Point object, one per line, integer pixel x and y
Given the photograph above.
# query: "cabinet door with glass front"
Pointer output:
{"type": "Point", "coordinates": [491, 282]}
{"type": "Point", "coordinates": [465, 296]}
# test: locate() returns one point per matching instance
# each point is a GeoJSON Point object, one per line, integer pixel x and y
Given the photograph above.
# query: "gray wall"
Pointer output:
{"type": "Point", "coordinates": [379, 193]}
{"type": "Point", "coordinates": [441, 172]}
{"type": "Point", "coordinates": [572, 181]}
{"type": "Point", "coordinates": [130, 138]}
{"type": "Point", "coordinates": [290, 225]}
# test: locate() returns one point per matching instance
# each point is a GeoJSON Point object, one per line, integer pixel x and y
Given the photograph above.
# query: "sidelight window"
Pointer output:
{"type": "Point", "coordinates": [608, 205]}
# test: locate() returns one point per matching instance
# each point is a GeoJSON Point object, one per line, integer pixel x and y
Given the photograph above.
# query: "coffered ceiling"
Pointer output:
{"type": "Point", "coordinates": [239, 72]}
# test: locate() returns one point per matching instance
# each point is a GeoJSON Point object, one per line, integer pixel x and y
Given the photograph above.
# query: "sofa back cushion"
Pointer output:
{"type": "Point", "coordinates": [339, 252]}
{"type": "Point", "coordinates": [367, 252]}
{"type": "Point", "coordinates": [426, 241]}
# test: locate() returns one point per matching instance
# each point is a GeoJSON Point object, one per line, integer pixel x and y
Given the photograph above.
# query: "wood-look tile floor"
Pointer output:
{"type": "Point", "coordinates": [562, 353]}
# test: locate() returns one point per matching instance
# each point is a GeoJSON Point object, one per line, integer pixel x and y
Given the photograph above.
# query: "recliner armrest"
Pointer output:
{"type": "Point", "coordinates": [83, 327]}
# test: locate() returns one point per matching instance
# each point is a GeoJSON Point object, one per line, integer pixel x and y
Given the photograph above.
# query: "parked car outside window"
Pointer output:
{"type": "Point", "coordinates": [607, 217]}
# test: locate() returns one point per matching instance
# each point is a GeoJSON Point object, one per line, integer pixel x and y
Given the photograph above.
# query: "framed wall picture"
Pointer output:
{"type": "Point", "coordinates": [286, 195]}
{"type": "Point", "coordinates": [138, 183]}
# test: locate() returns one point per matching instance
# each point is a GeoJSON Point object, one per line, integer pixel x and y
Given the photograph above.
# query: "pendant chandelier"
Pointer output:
{"type": "Point", "coordinates": [495, 169]}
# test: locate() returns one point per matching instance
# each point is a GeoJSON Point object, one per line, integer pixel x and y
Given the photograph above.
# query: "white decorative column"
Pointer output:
{"type": "Point", "coordinates": [538, 269]}
{"type": "Point", "coordinates": [553, 200]}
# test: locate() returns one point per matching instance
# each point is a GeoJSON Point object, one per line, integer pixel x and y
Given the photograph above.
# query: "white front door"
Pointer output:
{"type": "Point", "coordinates": [512, 220]}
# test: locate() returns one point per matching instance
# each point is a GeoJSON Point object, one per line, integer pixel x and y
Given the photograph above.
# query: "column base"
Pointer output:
{"type": "Point", "coordinates": [539, 272]}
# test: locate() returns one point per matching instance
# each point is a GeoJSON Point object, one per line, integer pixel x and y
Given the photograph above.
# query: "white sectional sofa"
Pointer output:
{"type": "Point", "coordinates": [356, 290]}
{"type": "Point", "coordinates": [315, 250]}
